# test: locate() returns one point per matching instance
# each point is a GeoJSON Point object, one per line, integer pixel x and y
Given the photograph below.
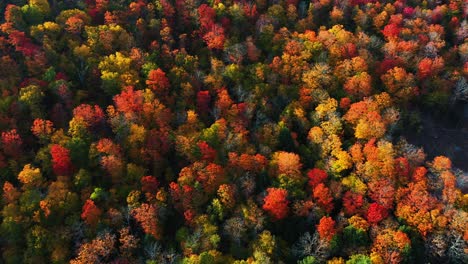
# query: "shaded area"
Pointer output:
{"type": "Point", "coordinates": [447, 135]}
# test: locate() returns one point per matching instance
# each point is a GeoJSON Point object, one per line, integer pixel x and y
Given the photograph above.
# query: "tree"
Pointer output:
{"type": "Point", "coordinates": [441, 163]}
{"type": "Point", "coordinates": [352, 202]}
{"type": "Point", "coordinates": [316, 176]}
{"type": "Point", "coordinates": [323, 197]}
{"type": "Point", "coordinates": [23, 44]}
{"type": "Point", "coordinates": [106, 146]}
{"type": "Point", "coordinates": [204, 236]}
{"type": "Point", "coordinates": [92, 116]}
{"type": "Point", "coordinates": [10, 192]}
{"type": "Point", "coordinates": [371, 126]}
{"type": "Point", "coordinates": [402, 169]}
{"type": "Point", "coordinates": [227, 195]}
{"type": "Point", "coordinates": [311, 245]}
{"type": "Point", "coordinates": [91, 213]}
{"type": "Point", "coordinates": [60, 200]}
{"type": "Point", "coordinates": [206, 16]}
{"type": "Point", "coordinates": [391, 246]}
{"type": "Point", "coordinates": [287, 163]}
{"type": "Point", "coordinates": [276, 203]}
{"type": "Point", "coordinates": [209, 176]}
{"type": "Point", "coordinates": [359, 85]}
{"type": "Point", "coordinates": [203, 101]}
{"type": "Point", "coordinates": [254, 163]}
{"type": "Point", "coordinates": [14, 16]}
{"type": "Point", "coordinates": [30, 176]}
{"type": "Point", "coordinates": [224, 102]}
{"type": "Point", "coordinates": [428, 67]}
{"type": "Point", "coordinates": [376, 213]}
{"type": "Point", "coordinates": [116, 71]}
{"type": "Point", "coordinates": [450, 193]}
{"type": "Point", "coordinates": [264, 246]}
{"type": "Point", "coordinates": [215, 38]}
{"type": "Point", "coordinates": [32, 95]}
{"type": "Point", "coordinates": [113, 165]}
{"type": "Point", "coordinates": [147, 216]}
{"type": "Point", "coordinates": [253, 53]}
{"type": "Point", "coordinates": [359, 259]}
{"type": "Point", "coordinates": [158, 82]}
{"type": "Point", "coordinates": [128, 242]}
{"type": "Point", "coordinates": [12, 143]}
{"type": "Point", "coordinates": [391, 31]}
{"type": "Point", "coordinates": [75, 24]}
{"type": "Point", "coordinates": [326, 228]}
{"type": "Point", "coordinates": [149, 184]}
{"type": "Point", "coordinates": [61, 161]}
{"type": "Point", "coordinates": [207, 152]}
{"type": "Point", "coordinates": [416, 206]}
{"type": "Point", "coordinates": [96, 251]}
{"type": "Point", "coordinates": [399, 83]}
{"type": "Point", "coordinates": [42, 129]}
{"type": "Point", "coordinates": [382, 192]}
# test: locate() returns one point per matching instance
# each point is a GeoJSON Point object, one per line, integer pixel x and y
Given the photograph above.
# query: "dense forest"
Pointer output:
{"type": "Point", "coordinates": [235, 131]}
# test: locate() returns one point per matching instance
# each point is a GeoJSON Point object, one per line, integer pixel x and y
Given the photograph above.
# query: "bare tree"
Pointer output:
{"type": "Point", "coordinates": [456, 250]}
{"type": "Point", "coordinates": [309, 245]}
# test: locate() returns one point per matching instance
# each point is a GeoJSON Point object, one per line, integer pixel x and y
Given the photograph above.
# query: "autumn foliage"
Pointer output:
{"type": "Point", "coordinates": [158, 81]}
{"type": "Point", "coordinates": [326, 228]}
{"type": "Point", "coordinates": [181, 131]}
{"type": "Point", "coordinates": [90, 213]}
{"type": "Point", "coordinates": [146, 216]}
{"type": "Point", "coordinates": [276, 203]}
{"type": "Point", "coordinates": [61, 161]}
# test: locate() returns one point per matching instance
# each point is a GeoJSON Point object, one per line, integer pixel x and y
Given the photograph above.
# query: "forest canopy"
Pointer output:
{"type": "Point", "coordinates": [196, 132]}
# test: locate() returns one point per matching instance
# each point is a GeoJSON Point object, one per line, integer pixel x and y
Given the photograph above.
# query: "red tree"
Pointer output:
{"type": "Point", "coordinates": [316, 176]}
{"type": "Point", "coordinates": [428, 67]}
{"type": "Point", "coordinates": [203, 101]}
{"type": "Point", "coordinates": [182, 196]}
{"type": "Point", "coordinates": [345, 102]}
{"type": "Point", "coordinates": [276, 203]}
{"type": "Point", "coordinates": [323, 197]}
{"type": "Point", "coordinates": [158, 143]}
{"type": "Point", "coordinates": [211, 177]}
{"type": "Point", "coordinates": [90, 213]}
{"type": "Point", "coordinates": [419, 174]}
{"type": "Point", "coordinates": [215, 37]}
{"type": "Point", "coordinates": [12, 142]}
{"type": "Point", "coordinates": [326, 228]}
{"type": "Point", "coordinates": [424, 68]}
{"type": "Point", "coordinates": [168, 9]}
{"type": "Point", "coordinates": [91, 115]}
{"type": "Point", "coordinates": [158, 82]}
{"type": "Point", "coordinates": [376, 213]}
{"type": "Point", "coordinates": [352, 202]}
{"type": "Point", "coordinates": [149, 184]}
{"type": "Point", "coordinates": [386, 65]}
{"type": "Point", "coordinates": [208, 153]}
{"type": "Point", "coordinates": [23, 44]}
{"type": "Point", "coordinates": [206, 16]}
{"type": "Point", "coordinates": [61, 162]}
{"type": "Point", "coordinates": [129, 100]}
{"type": "Point", "coordinates": [391, 31]}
